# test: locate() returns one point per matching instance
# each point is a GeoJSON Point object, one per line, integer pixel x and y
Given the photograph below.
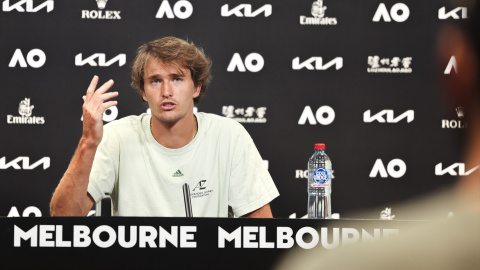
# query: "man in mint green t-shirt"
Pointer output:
{"type": "Point", "coordinates": [143, 161]}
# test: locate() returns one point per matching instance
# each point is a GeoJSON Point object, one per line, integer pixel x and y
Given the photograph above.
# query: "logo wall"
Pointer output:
{"type": "Point", "coordinates": [36, 58]}
{"type": "Point", "coordinates": [452, 64]}
{"type": "Point", "coordinates": [246, 115]}
{"type": "Point", "coordinates": [396, 168]}
{"type": "Point", "coordinates": [456, 169]}
{"type": "Point", "coordinates": [29, 211]}
{"type": "Point", "coordinates": [23, 163]}
{"type": "Point", "coordinates": [399, 13]}
{"type": "Point", "coordinates": [324, 115]}
{"type": "Point", "coordinates": [389, 115]}
{"type": "Point", "coordinates": [301, 174]}
{"type": "Point", "coordinates": [181, 9]}
{"type": "Point", "coordinates": [316, 63]}
{"type": "Point", "coordinates": [253, 62]}
{"type": "Point", "coordinates": [27, 6]}
{"type": "Point", "coordinates": [101, 13]}
{"type": "Point", "coordinates": [454, 14]}
{"type": "Point", "coordinates": [318, 12]}
{"type": "Point", "coordinates": [245, 10]}
{"type": "Point", "coordinates": [456, 123]}
{"type": "Point", "coordinates": [389, 65]}
{"type": "Point", "coordinates": [25, 111]}
{"type": "Point", "coordinates": [99, 59]}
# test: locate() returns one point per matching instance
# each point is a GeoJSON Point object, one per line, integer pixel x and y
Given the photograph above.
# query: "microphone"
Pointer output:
{"type": "Point", "coordinates": [104, 207]}
{"type": "Point", "coordinates": [187, 200]}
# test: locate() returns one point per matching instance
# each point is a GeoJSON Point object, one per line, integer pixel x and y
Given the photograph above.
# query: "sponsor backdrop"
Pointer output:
{"type": "Point", "coordinates": [359, 76]}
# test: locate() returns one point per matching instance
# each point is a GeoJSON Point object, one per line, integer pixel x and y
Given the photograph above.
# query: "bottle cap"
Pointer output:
{"type": "Point", "coordinates": [319, 146]}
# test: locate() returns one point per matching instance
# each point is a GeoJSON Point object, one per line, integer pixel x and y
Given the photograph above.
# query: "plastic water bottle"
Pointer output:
{"type": "Point", "coordinates": [319, 184]}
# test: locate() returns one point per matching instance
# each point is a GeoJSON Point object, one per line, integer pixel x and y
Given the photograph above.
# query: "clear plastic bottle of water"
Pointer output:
{"type": "Point", "coordinates": [319, 184]}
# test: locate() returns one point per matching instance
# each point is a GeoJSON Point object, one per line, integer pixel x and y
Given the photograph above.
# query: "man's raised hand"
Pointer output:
{"type": "Point", "coordinates": [94, 105]}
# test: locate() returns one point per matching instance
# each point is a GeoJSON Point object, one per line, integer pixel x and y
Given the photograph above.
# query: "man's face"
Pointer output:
{"type": "Point", "coordinates": [169, 91]}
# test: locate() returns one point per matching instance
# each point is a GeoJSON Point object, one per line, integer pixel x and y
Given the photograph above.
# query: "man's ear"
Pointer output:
{"type": "Point", "coordinates": [198, 88]}
{"type": "Point", "coordinates": [143, 94]}
{"type": "Point", "coordinates": [454, 45]}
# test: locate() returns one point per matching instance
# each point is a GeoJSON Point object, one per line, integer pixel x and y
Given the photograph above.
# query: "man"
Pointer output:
{"type": "Point", "coordinates": [452, 243]}
{"type": "Point", "coordinates": [143, 161]}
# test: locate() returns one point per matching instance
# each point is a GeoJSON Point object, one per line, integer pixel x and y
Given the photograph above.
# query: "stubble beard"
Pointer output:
{"type": "Point", "coordinates": [170, 118]}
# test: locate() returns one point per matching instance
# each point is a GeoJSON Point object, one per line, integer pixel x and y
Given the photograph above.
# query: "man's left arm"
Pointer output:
{"type": "Point", "coordinates": [251, 187]}
{"type": "Point", "coordinates": [262, 212]}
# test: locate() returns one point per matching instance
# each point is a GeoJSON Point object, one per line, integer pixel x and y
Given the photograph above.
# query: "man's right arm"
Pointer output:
{"type": "Point", "coordinates": [71, 197]}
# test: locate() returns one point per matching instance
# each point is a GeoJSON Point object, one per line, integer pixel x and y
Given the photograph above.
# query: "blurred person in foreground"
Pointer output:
{"type": "Point", "coordinates": [452, 243]}
{"type": "Point", "coordinates": [143, 161]}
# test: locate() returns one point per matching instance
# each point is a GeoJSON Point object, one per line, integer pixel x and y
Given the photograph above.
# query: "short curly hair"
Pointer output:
{"type": "Point", "coordinates": [177, 51]}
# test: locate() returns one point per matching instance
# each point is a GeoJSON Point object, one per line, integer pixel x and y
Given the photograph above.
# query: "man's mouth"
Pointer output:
{"type": "Point", "coordinates": [168, 105]}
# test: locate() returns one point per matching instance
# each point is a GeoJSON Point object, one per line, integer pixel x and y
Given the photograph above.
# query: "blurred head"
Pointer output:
{"type": "Point", "coordinates": [459, 41]}
{"type": "Point", "coordinates": [177, 52]}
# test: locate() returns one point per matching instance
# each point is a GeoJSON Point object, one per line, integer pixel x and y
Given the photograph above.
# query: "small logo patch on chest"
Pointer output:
{"type": "Point", "coordinates": [178, 173]}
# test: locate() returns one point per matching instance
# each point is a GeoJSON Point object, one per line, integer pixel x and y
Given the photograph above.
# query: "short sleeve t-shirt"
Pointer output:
{"type": "Point", "coordinates": [221, 165]}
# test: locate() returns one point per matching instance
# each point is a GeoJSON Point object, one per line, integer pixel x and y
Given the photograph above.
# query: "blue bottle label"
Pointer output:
{"type": "Point", "coordinates": [321, 178]}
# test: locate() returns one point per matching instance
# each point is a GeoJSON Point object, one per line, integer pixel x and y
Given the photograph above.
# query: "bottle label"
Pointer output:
{"type": "Point", "coordinates": [321, 178]}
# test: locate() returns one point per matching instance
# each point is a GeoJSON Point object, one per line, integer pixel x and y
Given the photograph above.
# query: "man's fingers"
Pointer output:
{"type": "Point", "coordinates": [102, 89]}
{"type": "Point", "coordinates": [91, 88]}
{"type": "Point", "coordinates": [98, 112]}
{"type": "Point", "coordinates": [107, 105]}
{"type": "Point", "coordinates": [97, 101]}
{"type": "Point", "coordinates": [92, 94]}
{"type": "Point", "coordinates": [108, 95]}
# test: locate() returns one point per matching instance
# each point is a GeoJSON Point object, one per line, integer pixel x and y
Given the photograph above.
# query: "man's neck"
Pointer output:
{"type": "Point", "coordinates": [174, 135]}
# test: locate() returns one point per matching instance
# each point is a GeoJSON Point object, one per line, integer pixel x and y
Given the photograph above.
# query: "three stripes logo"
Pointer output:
{"type": "Point", "coordinates": [178, 173]}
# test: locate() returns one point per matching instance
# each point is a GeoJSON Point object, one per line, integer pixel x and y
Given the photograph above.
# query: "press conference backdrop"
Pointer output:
{"type": "Point", "coordinates": [360, 76]}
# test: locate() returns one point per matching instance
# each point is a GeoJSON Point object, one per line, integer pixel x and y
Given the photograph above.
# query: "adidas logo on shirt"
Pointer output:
{"type": "Point", "coordinates": [178, 173]}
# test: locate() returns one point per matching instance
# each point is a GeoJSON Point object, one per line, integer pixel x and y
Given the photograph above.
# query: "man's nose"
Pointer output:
{"type": "Point", "coordinates": [166, 89]}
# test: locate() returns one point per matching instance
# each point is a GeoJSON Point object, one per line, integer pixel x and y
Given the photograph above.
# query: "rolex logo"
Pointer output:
{"type": "Point", "coordinates": [101, 3]}
{"type": "Point", "coordinates": [456, 123]}
{"type": "Point", "coordinates": [178, 173]}
{"type": "Point", "coordinates": [460, 112]}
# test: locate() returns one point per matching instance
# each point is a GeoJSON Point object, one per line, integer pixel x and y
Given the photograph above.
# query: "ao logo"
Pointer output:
{"type": "Point", "coordinates": [109, 115]}
{"type": "Point", "coordinates": [382, 12]}
{"type": "Point", "coordinates": [452, 14]}
{"type": "Point", "coordinates": [35, 58]}
{"type": "Point", "coordinates": [182, 10]}
{"type": "Point", "coordinates": [308, 64]}
{"type": "Point", "coordinates": [253, 62]}
{"type": "Point", "coordinates": [324, 115]}
{"type": "Point", "coordinates": [29, 6]}
{"type": "Point", "coordinates": [26, 213]}
{"type": "Point", "coordinates": [247, 11]}
{"type": "Point", "coordinates": [396, 168]}
{"type": "Point", "coordinates": [451, 64]}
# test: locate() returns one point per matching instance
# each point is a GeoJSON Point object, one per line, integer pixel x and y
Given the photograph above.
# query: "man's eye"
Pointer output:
{"type": "Point", "coordinates": [177, 80]}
